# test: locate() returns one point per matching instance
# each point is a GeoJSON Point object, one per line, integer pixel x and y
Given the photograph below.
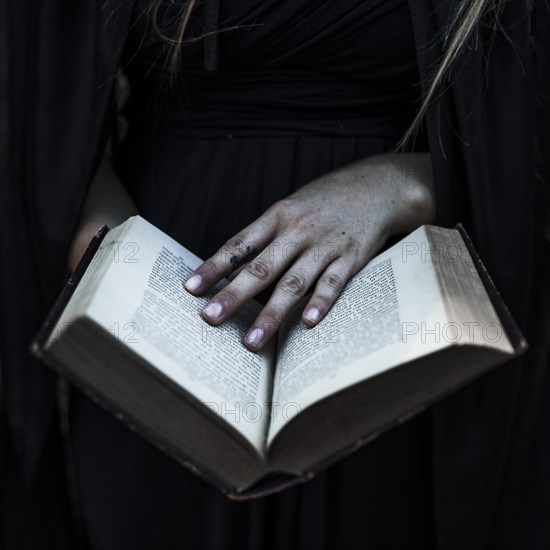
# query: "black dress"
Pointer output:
{"type": "Point", "coordinates": [472, 471]}
{"type": "Point", "coordinates": [301, 88]}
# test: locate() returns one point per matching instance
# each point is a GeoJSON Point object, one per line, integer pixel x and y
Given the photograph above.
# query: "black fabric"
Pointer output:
{"type": "Point", "coordinates": [470, 472]}
{"type": "Point", "coordinates": [281, 110]}
{"type": "Point", "coordinates": [344, 70]}
{"type": "Point", "coordinates": [204, 159]}
{"type": "Point", "coordinates": [62, 61]}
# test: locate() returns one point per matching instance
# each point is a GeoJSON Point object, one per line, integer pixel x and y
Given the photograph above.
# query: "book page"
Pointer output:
{"type": "Point", "coordinates": [467, 302]}
{"type": "Point", "coordinates": [373, 326]}
{"type": "Point", "coordinates": [142, 301]}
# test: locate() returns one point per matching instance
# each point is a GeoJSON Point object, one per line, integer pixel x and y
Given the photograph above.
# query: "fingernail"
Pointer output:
{"type": "Point", "coordinates": [254, 337]}
{"type": "Point", "coordinates": [213, 310]}
{"type": "Point", "coordinates": [312, 314]}
{"type": "Point", "coordinates": [193, 282]}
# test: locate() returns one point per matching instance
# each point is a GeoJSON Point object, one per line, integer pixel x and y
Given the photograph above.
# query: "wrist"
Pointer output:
{"type": "Point", "coordinates": [409, 175]}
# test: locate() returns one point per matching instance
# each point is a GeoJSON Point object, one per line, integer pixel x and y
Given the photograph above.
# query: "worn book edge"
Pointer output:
{"type": "Point", "coordinates": [276, 482]}
{"type": "Point", "coordinates": [39, 351]}
{"type": "Point", "coordinates": [281, 482]}
{"type": "Point", "coordinates": [38, 344]}
{"type": "Point", "coordinates": [518, 341]}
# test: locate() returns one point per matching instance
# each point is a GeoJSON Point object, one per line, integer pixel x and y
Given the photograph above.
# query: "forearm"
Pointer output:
{"type": "Point", "coordinates": [107, 202]}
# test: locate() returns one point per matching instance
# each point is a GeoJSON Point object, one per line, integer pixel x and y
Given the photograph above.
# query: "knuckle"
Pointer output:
{"type": "Point", "coordinates": [323, 299]}
{"type": "Point", "coordinates": [326, 251]}
{"type": "Point", "coordinates": [304, 223]}
{"type": "Point", "coordinates": [294, 284]}
{"type": "Point", "coordinates": [235, 243]}
{"type": "Point", "coordinates": [270, 320]}
{"type": "Point", "coordinates": [352, 245]}
{"type": "Point", "coordinates": [334, 281]}
{"type": "Point", "coordinates": [282, 205]}
{"type": "Point", "coordinates": [280, 208]}
{"type": "Point", "coordinates": [259, 269]}
{"type": "Point", "coordinates": [209, 268]}
{"type": "Point", "coordinates": [233, 248]}
{"type": "Point", "coordinates": [229, 295]}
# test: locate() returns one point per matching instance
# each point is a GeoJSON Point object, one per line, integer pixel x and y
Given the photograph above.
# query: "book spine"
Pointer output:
{"type": "Point", "coordinates": [518, 341]}
{"type": "Point", "coordinates": [37, 345]}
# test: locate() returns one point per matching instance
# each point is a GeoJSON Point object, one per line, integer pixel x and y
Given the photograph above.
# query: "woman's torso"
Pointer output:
{"type": "Point", "coordinates": [302, 87]}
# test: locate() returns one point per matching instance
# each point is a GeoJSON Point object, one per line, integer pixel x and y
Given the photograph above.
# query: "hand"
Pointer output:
{"type": "Point", "coordinates": [322, 235]}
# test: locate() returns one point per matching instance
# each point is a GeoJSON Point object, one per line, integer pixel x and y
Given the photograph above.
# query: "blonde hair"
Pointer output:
{"type": "Point", "coordinates": [464, 22]}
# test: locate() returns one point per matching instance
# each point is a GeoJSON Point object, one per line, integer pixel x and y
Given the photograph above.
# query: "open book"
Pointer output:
{"type": "Point", "coordinates": [419, 321]}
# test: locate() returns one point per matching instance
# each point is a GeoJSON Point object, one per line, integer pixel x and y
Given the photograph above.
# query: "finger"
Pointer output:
{"type": "Point", "coordinates": [233, 274]}
{"type": "Point", "coordinates": [290, 289]}
{"type": "Point", "coordinates": [328, 288]}
{"type": "Point", "coordinates": [254, 277]}
{"type": "Point", "coordinates": [289, 250]}
{"type": "Point", "coordinates": [235, 252]}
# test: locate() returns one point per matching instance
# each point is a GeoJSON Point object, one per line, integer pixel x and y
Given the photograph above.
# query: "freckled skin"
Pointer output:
{"type": "Point", "coordinates": [317, 238]}
{"type": "Point", "coordinates": [372, 199]}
